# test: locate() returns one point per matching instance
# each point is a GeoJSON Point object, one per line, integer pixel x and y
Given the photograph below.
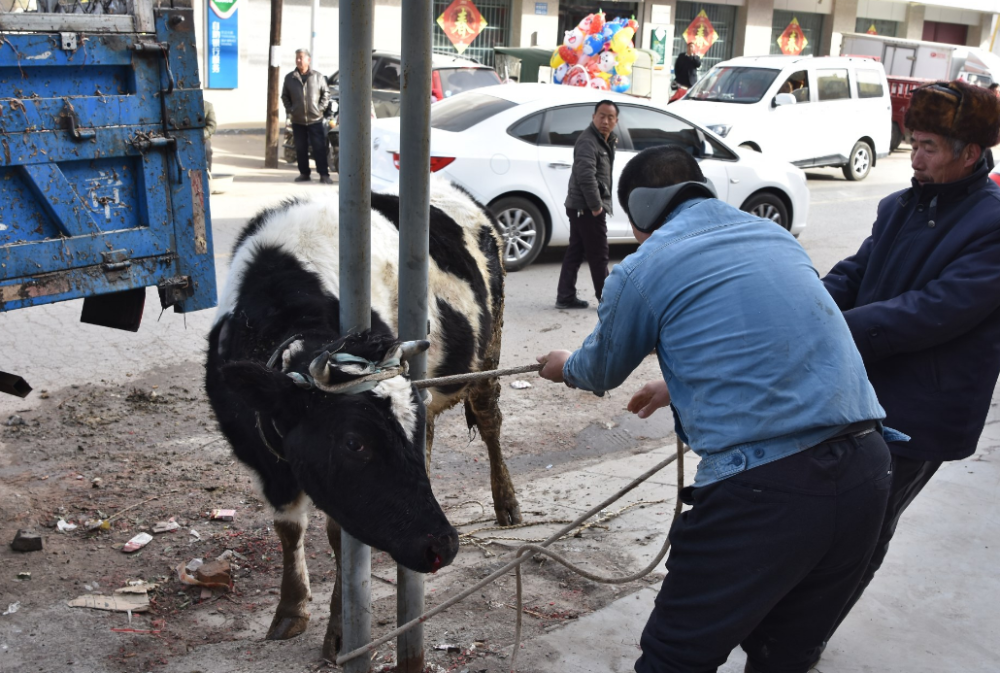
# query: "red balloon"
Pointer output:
{"type": "Point", "coordinates": [597, 25]}
{"type": "Point", "coordinates": [568, 55]}
{"type": "Point", "coordinates": [633, 24]}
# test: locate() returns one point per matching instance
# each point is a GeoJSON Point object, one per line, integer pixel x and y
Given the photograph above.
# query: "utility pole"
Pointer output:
{"type": "Point", "coordinates": [273, 88]}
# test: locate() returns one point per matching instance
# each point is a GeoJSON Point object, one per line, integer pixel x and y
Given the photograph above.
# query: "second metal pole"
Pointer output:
{"type": "Point", "coordinates": [414, 223]}
{"type": "Point", "coordinates": [356, 23]}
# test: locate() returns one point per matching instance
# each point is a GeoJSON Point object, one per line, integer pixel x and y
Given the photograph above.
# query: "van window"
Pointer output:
{"type": "Point", "coordinates": [869, 84]}
{"type": "Point", "coordinates": [386, 75]}
{"type": "Point", "coordinates": [797, 84]}
{"type": "Point", "coordinates": [733, 85]}
{"type": "Point", "coordinates": [832, 84]}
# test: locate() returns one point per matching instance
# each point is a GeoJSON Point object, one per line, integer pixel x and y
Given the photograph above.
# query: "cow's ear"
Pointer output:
{"type": "Point", "coordinates": [262, 389]}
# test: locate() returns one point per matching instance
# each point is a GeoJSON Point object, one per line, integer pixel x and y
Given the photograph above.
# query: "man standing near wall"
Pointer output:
{"type": "Point", "coordinates": [305, 96]}
{"type": "Point", "coordinates": [686, 67]}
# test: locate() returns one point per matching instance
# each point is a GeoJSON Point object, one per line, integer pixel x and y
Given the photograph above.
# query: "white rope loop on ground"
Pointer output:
{"type": "Point", "coordinates": [521, 554]}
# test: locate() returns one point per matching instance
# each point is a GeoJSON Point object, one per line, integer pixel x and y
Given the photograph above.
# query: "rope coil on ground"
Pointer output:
{"type": "Point", "coordinates": [521, 556]}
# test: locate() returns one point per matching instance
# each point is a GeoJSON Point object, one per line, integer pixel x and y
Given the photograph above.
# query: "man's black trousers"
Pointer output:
{"type": "Point", "coordinates": [588, 239]}
{"type": "Point", "coordinates": [767, 559]}
{"type": "Point", "coordinates": [909, 476]}
{"type": "Point", "coordinates": [310, 136]}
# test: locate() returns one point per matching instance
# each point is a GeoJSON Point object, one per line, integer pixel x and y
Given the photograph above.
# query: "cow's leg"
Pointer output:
{"type": "Point", "coordinates": [335, 627]}
{"type": "Point", "coordinates": [484, 402]}
{"type": "Point", "coordinates": [429, 446]}
{"type": "Point", "coordinates": [292, 617]}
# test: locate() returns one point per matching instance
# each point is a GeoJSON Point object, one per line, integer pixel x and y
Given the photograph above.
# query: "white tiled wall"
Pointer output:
{"type": "Point", "coordinates": [949, 15]}
{"type": "Point", "coordinates": [883, 10]}
{"type": "Point", "coordinates": [810, 6]}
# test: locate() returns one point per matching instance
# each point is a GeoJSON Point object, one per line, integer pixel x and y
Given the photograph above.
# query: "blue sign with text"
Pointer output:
{"type": "Point", "coordinates": [541, 8]}
{"type": "Point", "coordinates": [223, 45]}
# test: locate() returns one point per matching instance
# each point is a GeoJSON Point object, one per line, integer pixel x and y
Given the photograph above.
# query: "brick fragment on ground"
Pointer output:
{"type": "Point", "coordinates": [26, 541]}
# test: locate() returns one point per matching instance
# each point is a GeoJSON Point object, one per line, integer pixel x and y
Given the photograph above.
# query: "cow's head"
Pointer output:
{"type": "Point", "coordinates": [344, 415]}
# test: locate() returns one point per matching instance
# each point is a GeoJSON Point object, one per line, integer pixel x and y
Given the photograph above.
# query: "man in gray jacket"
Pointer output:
{"type": "Point", "coordinates": [588, 203]}
{"type": "Point", "coordinates": [305, 96]}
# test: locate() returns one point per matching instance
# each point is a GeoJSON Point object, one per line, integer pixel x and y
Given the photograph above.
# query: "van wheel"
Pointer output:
{"type": "Point", "coordinates": [859, 163]}
{"type": "Point", "coordinates": [768, 207]}
{"type": "Point", "coordinates": [522, 229]}
{"type": "Point", "coordinates": [896, 138]}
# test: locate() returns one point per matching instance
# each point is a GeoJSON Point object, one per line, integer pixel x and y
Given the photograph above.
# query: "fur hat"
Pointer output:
{"type": "Point", "coordinates": [956, 110]}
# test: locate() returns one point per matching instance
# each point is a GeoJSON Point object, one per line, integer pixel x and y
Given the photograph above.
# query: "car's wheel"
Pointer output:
{"type": "Point", "coordinates": [751, 147]}
{"type": "Point", "coordinates": [522, 229]}
{"type": "Point", "coordinates": [896, 138]}
{"type": "Point", "coordinates": [859, 163]}
{"type": "Point", "coordinates": [768, 206]}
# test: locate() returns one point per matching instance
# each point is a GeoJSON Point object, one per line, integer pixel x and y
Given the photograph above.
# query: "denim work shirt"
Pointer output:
{"type": "Point", "coordinates": [757, 356]}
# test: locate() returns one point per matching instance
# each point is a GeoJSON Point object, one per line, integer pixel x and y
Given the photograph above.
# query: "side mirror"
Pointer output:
{"type": "Point", "coordinates": [783, 99]}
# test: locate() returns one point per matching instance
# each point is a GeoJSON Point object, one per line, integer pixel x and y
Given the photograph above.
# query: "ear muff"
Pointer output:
{"type": "Point", "coordinates": [648, 207]}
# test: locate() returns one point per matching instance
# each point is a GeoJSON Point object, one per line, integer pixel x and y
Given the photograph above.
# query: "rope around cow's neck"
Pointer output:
{"type": "Point", "coordinates": [521, 556]}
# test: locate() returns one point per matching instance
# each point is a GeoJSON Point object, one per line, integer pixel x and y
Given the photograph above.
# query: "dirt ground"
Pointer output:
{"type": "Point", "coordinates": [151, 450]}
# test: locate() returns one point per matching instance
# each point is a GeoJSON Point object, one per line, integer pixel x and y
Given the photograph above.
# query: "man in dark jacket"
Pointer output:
{"type": "Point", "coordinates": [686, 67]}
{"type": "Point", "coordinates": [305, 96]}
{"type": "Point", "coordinates": [588, 202]}
{"type": "Point", "coordinates": [922, 295]}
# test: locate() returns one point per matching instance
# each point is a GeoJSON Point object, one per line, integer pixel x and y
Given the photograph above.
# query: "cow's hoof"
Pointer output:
{"type": "Point", "coordinates": [508, 515]}
{"type": "Point", "coordinates": [332, 644]}
{"type": "Point", "coordinates": [283, 628]}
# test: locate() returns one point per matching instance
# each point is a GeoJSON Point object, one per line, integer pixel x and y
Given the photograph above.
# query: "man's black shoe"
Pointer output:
{"type": "Point", "coordinates": [326, 180]}
{"type": "Point", "coordinates": [575, 302]}
{"type": "Point", "coordinates": [303, 178]}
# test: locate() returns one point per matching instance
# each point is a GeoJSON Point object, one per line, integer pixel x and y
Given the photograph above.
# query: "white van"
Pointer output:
{"type": "Point", "coordinates": [810, 111]}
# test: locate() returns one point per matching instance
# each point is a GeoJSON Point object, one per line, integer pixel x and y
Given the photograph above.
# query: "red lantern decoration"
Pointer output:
{"type": "Point", "coordinates": [792, 41]}
{"type": "Point", "coordinates": [701, 33]}
{"type": "Point", "coordinates": [461, 23]}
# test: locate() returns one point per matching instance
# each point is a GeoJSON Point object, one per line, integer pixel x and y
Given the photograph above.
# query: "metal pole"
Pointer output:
{"type": "Point", "coordinates": [314, 19]}
{"type": "Point", "coordinates": [414, 228]}
{"type": "Point", "coordinates": [273, 88]}
{"type": "Point", "coordinates": [356, 22]}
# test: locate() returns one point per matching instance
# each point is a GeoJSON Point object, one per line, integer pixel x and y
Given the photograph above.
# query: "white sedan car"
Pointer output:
{"type": "Point", "coordinates": [511, 147]}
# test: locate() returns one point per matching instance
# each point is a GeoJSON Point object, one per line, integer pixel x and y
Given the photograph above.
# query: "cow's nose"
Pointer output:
{"type": "Point", "coordinates": [442, 549]}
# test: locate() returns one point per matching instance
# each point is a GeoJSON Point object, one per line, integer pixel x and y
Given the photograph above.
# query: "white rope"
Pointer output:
{"type": "Point", "coordinates": [521, 557]}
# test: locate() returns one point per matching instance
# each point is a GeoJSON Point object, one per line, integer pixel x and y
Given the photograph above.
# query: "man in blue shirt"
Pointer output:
{"type": "Point", "coordinates": [767, 387]}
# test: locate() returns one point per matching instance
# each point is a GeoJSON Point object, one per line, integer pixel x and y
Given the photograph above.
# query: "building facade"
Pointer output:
{"type": "Point", "coordinates": [741, 27]}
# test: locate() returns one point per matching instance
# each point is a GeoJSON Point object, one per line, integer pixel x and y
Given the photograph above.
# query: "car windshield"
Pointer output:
{"type": "Point", "coordinates": [733, 85]}
{"type": "Point", "coordinates": [463, 112]}
{"type": "Point", "coordinates": [457, 80]}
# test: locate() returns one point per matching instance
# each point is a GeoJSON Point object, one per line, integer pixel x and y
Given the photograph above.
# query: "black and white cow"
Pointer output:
{"type": "Point", "coordinates": [331, 418]}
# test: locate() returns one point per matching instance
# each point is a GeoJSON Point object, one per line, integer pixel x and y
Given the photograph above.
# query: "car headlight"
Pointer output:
{"type": "Point", "coordinates": [721, 130]}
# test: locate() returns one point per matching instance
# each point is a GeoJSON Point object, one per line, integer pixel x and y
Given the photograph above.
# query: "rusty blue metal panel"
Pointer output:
{"type": "Point", "coordinates": [103, 186]}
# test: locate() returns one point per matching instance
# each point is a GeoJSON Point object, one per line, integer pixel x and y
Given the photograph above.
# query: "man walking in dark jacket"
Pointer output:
{"type": "Point", "coordinates": [305, 96]}
{"type": "Point", "coordinates": [588, 202]}
{"type": "Point", "coordinates": [922, 295]}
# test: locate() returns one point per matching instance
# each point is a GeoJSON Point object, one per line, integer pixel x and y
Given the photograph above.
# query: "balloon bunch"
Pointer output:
{"type": "Point", "coordinates": [597, 53]}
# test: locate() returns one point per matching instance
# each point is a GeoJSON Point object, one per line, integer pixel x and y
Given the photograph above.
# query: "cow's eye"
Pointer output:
{"type": "Point", "coordinates": [353, 443]}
